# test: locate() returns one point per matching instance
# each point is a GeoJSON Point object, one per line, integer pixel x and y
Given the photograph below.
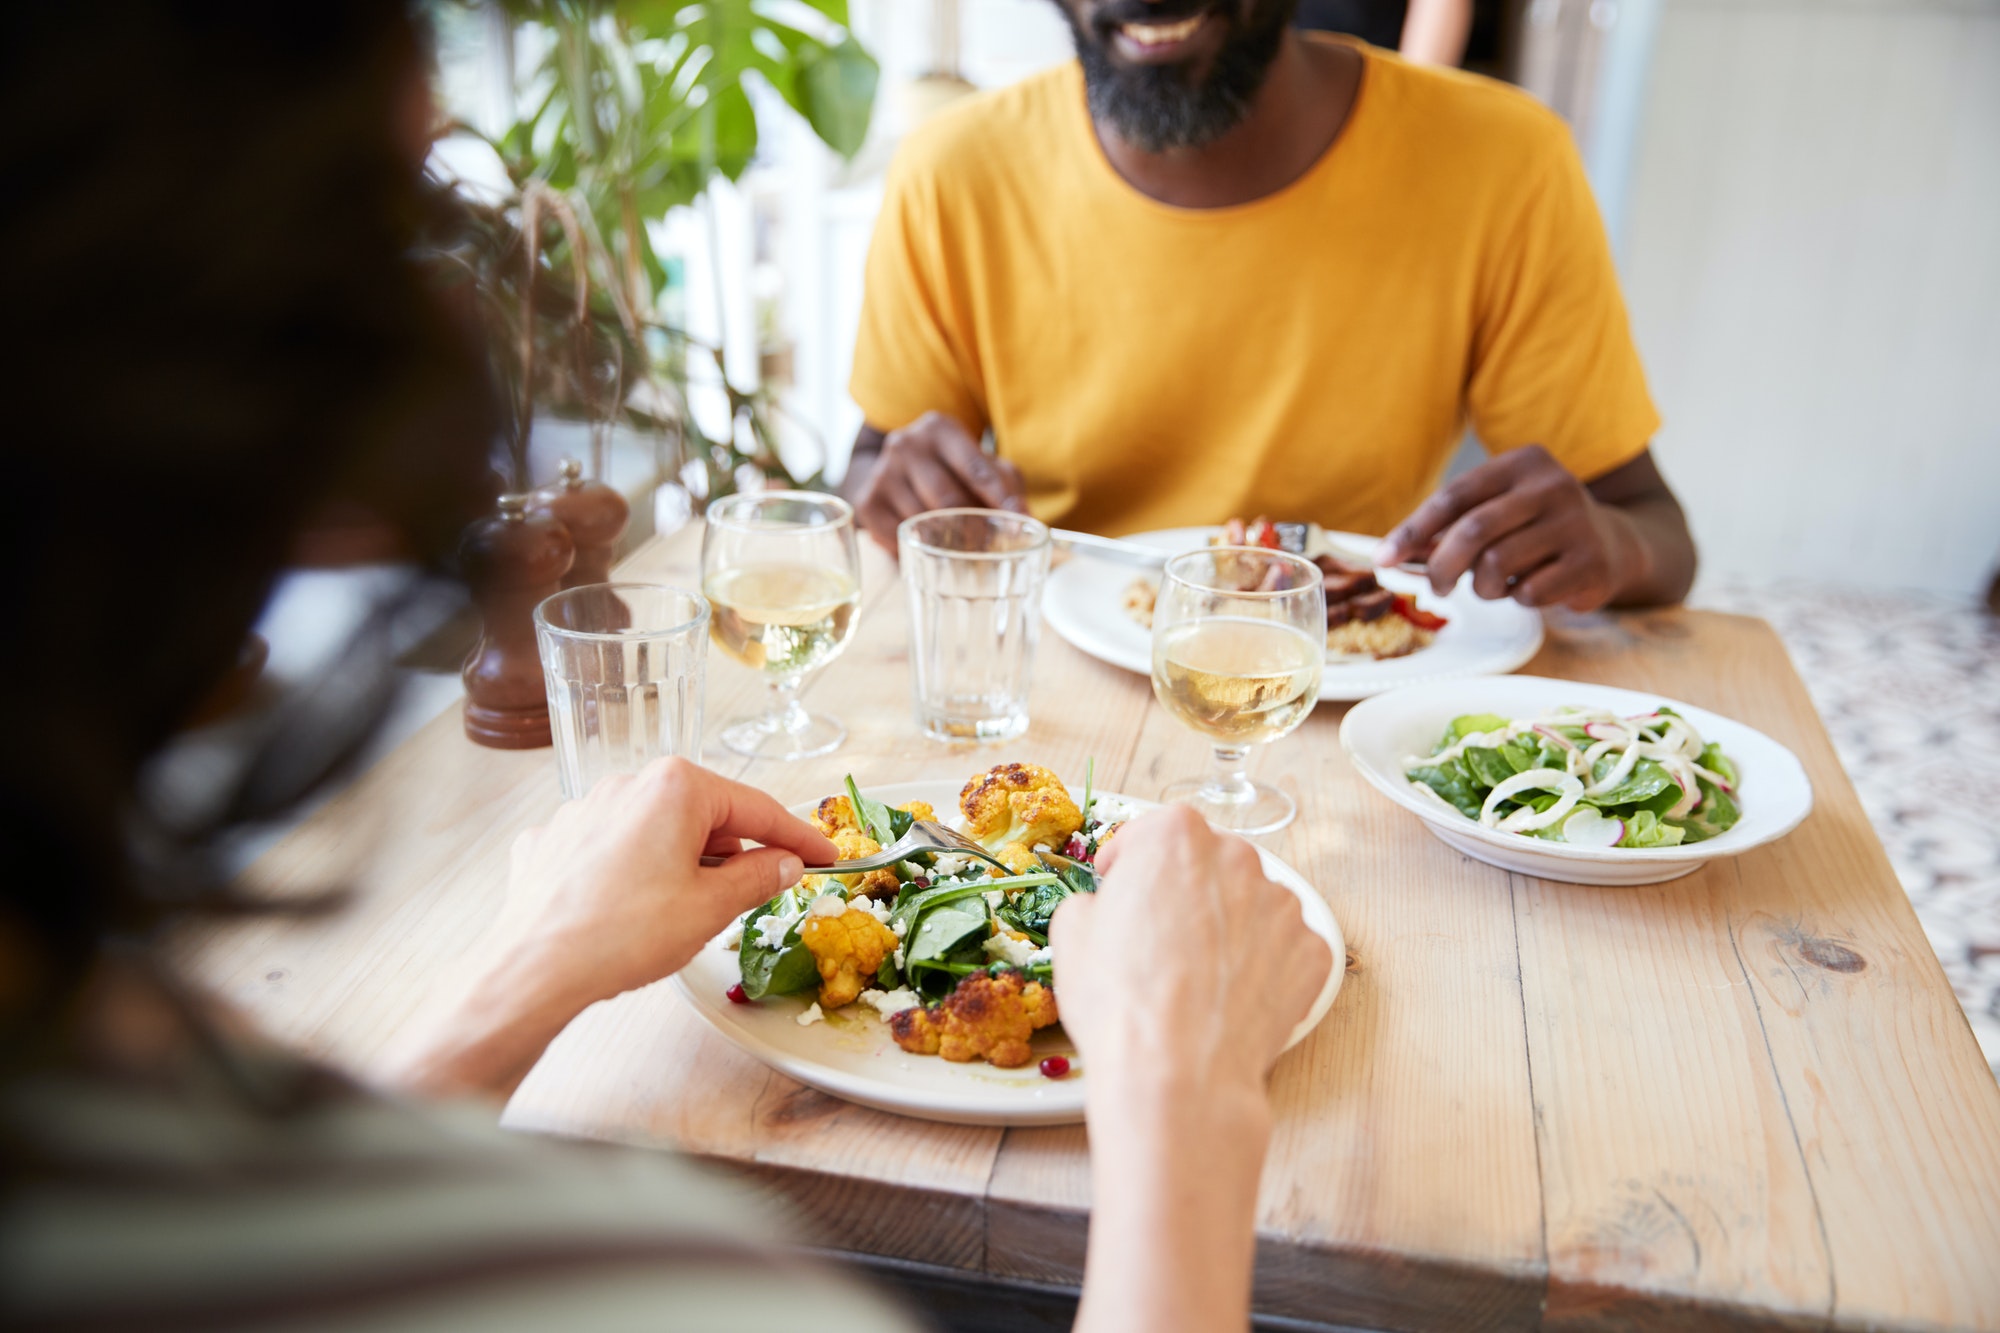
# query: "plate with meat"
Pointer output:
{"type": "Point", "coordinates": [928, 988]}
{"type": "Point", "coordinates": [1385, 628]}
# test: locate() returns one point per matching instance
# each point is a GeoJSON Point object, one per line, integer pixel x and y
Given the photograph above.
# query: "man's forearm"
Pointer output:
{"type": "Point", "coordinates": [1659, 551]}
{"type": "Point", "coordinates": [1174, 1173]}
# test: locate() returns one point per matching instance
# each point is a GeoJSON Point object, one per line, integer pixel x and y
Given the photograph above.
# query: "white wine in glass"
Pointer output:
{"type": "Point", "coordinates": [783, 618]}
{"type": "Point", "coordinates": [783, 578]}
{"type": "Point", "coordinates": [1239, 644]}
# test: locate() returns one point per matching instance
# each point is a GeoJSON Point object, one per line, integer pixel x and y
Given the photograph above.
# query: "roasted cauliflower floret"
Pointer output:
{"type": "Point", "coordinates": [853, 845]}
{"type": "Point", "coordinates": [918, 809]}
{"type": "Point", "coordinates": [987, 1016]}
{"type": "Point", "coordinates": [848, 949]}
{"type": "Point", "coordinates": [1022, 803]}
{"type": "Point", "coordinates": [834, 814]}
{"type": "Point", "coordinates": [1019, 858]}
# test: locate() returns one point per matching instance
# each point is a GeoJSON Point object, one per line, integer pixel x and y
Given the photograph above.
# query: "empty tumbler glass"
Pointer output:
{"type": "Point", "coordinates": [975, 585]}
{"type": "Point", "coordinates": [624, 666]}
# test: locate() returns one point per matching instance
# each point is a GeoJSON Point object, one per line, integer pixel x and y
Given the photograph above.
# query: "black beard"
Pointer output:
{"type": "Point", "coordinates": [1158, 107]}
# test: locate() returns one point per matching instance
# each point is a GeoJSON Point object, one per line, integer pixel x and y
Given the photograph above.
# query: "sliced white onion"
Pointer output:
{"type": "Point", "coordinates": [1619, 772]}
{"type": "Point", "coordinates": [1568, 787]}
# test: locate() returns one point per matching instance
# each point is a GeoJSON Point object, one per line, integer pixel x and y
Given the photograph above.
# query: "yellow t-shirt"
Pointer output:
{"type": "Point", "coordinates": [1313, 354]}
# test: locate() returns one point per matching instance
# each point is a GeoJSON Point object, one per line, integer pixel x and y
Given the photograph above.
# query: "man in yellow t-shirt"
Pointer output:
{"type": "Point", "coordinates": [1220, 268]}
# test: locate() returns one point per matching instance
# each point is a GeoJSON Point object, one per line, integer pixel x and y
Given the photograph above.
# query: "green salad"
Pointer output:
{"type": "Point", "coordinates": [947, 916]}
{"type": "Point", "coordinates": [1585, 776]}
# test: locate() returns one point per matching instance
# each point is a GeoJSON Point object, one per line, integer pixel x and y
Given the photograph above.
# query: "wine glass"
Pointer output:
{"type": "Point", "coordinates": [781, 571]}
{"type": "Point", "coordinates": [1239, 641]}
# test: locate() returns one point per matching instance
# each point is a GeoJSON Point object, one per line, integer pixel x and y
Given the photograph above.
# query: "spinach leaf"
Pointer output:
{"type": "Point", "coordinates": [943, 930]}
{"type": "Point", "coordinates": [885, 975]}
{"type": "Point", "coordinates": [1451, 781]}
{"type": "Point", "coordinates": [1716, 814]}
{"type": "Point", "coordinates": [1489, 766]}
{"type": "Point", "coordinates": [1467, 724]}
{"type": "Point", "coordinates": [1646, 829]}
{"type": "Point", "coordinates": [880, 822]}
{"type": "Point", "coordinates": [784, 970]}
{"type": "Point", "coordinates": [1030, 912]}
{"type": "Point", "coordinates": [912, 904]}
{"type": "Point", "coordinates": [1715, 761]}
{"type": "Point", "coordinates": [1646, 780]}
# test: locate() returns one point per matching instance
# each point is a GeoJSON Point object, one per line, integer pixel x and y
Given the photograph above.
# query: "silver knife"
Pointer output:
{"type": "Point", "coordinates": [1110, 548]}
{"type": "Point", "coordinates": [1149, 557]}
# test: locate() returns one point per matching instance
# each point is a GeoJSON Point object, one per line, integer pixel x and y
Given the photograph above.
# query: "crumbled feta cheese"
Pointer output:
{"type": "Point", "coordinates": [828, 904]}
{"type": "Point", "coordinates": [950, 863]}
{"type": "Point", "coordinates": [889, 1003]}
{"type": "Point", "coordinates": [732, 935]}
{"type": "Point", "coordinates": [995, 897]}
{"type": "Point", "coordinates": [875, 908]}
{"type": "Point", "coordinates": [1041, 847]}
{"type": "Point", "coordinates": [901, 927]}
{"type": "Point", "coordinates": [811, 1016]}
{"type": "Point", "coordinates": [772, 929]}
{"type": "Point", "coordinates": [897, 958]}
{"type": "Point", "coordinates": [1010, 950]}
{"type": "Point", "coordinates": [1040, 956]}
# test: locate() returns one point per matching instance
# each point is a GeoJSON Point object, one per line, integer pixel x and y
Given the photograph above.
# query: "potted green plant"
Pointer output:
{"type": "Point", "coordinates": [633, 108]}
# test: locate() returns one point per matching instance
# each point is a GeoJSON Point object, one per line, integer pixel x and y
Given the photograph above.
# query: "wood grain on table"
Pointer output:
{"type": "Point", "coordinates": [1742, 1099]}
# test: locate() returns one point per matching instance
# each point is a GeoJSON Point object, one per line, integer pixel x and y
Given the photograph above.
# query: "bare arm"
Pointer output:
{"type": "Point", "coordinates": [1525, 528]}
{"type": "Point", "coordinates": [1179, 980]}
{"type": "Point", "coordinates": [1434, 31]}
{"type": "Point", "coordinates": [607, 897]}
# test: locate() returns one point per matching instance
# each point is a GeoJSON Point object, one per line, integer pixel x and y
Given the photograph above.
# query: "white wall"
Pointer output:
{"type": "Point", "coordinates": [1813, 264]}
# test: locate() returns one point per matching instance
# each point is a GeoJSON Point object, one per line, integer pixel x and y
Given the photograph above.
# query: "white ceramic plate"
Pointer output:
{"type": "Point", "coordinates": [1085, 603]}
{"type": "Point", "coordinates": [1383, 732]}
{"type": "Point", "coordinates": [852, 1055]}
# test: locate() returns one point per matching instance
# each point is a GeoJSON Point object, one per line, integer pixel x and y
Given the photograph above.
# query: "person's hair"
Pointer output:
{"type": "Point", "coordinates": [218, 327]}
{"type": "Point", "coordinates": [1161, 107]}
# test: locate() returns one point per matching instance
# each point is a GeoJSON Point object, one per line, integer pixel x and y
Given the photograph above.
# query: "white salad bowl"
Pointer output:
{"type": "Point", "coordinates": [851, 1055]}
{"type": "Point", "coordinates": [1381, 734]}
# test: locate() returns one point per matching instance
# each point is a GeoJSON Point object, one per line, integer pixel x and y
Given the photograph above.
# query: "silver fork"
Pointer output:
{"type": "Point", "coordinates": [925, 835]}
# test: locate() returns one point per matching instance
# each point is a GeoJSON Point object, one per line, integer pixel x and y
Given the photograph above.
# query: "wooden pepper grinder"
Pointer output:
{"type": "Point", "coordinates": [596, 516]}
{"type": "Point", "coordinates": [512, 561]}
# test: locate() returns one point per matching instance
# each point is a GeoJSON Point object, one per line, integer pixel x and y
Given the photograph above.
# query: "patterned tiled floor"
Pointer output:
{"type": "Point", "coordinates": [1910, 690]}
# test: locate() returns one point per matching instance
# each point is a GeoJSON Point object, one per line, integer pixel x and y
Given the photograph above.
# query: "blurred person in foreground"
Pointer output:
{"type": "Point", "coordinates": [1221, 268]}
{"type": "Point", "coordinates": [228, 336]}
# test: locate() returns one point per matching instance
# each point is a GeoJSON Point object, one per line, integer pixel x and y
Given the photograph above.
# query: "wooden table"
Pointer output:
{"type": "Point", "coordinates": [1744, 1099]}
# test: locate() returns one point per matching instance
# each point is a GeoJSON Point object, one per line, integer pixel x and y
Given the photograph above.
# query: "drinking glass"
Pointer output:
{"type": "Point", "coordinates": [1239, 641]}
{"type": "Point", "coordinates": [781, 570]}
{"type": "Point", "coordinates": [624, 664]}
{"type": "Point", "coordinates": [975, 585]}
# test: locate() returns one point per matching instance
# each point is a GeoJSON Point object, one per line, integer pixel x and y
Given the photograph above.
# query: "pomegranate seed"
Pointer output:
{"type": "Point", "coordinates": [737, 995]}
{"type": "Point", "coordinates": [1055, 1067]}
{"type": "Point", "coordinates": [921, 882]}
{"type": "Point", "coordinates": [1076, 847]}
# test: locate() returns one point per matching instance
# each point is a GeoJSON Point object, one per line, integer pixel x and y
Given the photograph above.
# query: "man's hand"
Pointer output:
{"type": "Point", "coordinates": [1186, 957]}
{"type": "Point", "coordinates": [609, 896]}
{"type": "Point", "coordinates": [932, 463]}
{"type": "Point", "coordinates": [1525, 528]}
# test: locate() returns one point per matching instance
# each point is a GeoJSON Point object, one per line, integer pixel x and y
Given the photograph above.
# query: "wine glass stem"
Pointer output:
{"type": "Point", "coordinates": [1228, 779]}
{"type": "Point", "coordinates": [786, 711]}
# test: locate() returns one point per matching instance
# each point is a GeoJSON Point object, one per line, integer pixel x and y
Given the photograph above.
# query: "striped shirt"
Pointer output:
{"type": "Point", "coordinates": [251, 1191]}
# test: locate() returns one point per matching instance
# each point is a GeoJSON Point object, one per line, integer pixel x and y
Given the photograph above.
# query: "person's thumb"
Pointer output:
{"type": "Point", "coordinates": [749, 878]}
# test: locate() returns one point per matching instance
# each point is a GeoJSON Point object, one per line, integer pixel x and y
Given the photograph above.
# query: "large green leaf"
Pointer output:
{"type": "Point", "coordinates": [836, 89]}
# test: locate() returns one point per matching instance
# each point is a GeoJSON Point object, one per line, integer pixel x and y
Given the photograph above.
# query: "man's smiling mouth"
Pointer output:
{"type": "Point", "coordinates": [1161, 34]}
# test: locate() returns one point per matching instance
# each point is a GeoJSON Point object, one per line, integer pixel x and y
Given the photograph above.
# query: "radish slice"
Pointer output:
{"type": "Point", "coordinates": [1587, 826]}
{"type": "Point", "coordinates": [1528, 820]}
{"type": "Point", "coordinates": [1555, 737]}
